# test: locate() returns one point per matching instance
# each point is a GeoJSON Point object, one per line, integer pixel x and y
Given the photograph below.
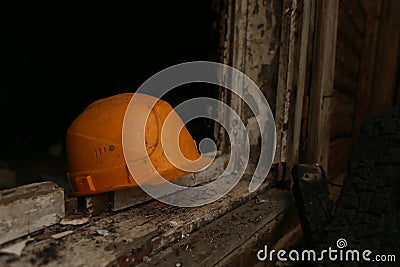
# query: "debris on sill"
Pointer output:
{"type": "Point", "coordinates": [17, 248]}
{"type": "Point", "coordinates": [76, 219]}
{"type": "Point", "coordinates": [61, 234]}
{"type": "Point", "coordinates": [102, 232]}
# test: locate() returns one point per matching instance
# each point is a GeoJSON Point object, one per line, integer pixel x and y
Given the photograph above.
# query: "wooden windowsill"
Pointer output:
{"type": "Point", "coordinates": [153, 232]}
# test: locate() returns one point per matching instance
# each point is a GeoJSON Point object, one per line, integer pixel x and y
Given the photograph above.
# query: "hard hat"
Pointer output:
{"type": "Point", "coordinates": [95, 156]}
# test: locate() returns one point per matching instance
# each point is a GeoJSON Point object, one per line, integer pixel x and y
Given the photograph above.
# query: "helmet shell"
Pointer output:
{"type": "Point", "coordinates": [96, 162]}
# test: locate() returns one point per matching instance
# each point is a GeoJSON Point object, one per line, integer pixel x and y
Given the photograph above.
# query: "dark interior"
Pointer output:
{"type": "Point", "coordinates": [56, 62]}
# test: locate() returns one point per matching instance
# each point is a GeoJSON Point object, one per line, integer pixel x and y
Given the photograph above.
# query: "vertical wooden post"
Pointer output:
{"type": "Point", "coordinates": [306, 33]}
{"type": "Point", "coordinates": [294, 51]}
{"type": "Point", "coordinates": [322, 75]}
{"type": "Point", "coordinates": [250, 43]}
{"type": "Point", "coordinates": [301, 104]}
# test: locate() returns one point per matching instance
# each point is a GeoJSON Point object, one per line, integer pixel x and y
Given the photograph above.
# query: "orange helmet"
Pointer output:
{"type": "Point", "coordinates": [96, 162]}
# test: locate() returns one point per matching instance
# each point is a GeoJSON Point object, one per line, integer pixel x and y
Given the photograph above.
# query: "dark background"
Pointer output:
{"type": "Point", "coordinates": [56, 60]}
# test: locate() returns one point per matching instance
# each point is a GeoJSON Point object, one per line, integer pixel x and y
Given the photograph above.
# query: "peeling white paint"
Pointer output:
{"type": "Point", "coordinates": [29, 208]}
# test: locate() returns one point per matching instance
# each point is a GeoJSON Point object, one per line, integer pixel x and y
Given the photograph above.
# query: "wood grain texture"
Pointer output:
{"type": "Point", "coordinates": [28, 208]}
{"type": "Point", "coordinates": [216, 244]}
{"type": "Point", "coordinates": [322, 82]}
{"type": "Point", "coordinates": [291, 80]}
{"type": "Point", "coordinates": [301, 107]}
{"type": "Point", "coordinates": [347, 57]}
{"type": "Point", "coordinates": [387, 59]}
{"type": "Point", "coordinates": [344, 82]}
{"type": "Point", "coordinates": [342, 104]}
{"type": "Point", "coordinates": [250, 41]}
{"type": "Point", "coordinates": [341, 126]}
{"type": "Point", "coordinates": [355, 12]}
{"type": "Point", "coordinates": [339, 154]}
{"type": "Point", "coordinates": [349, 31]}
{"type": "Point", "coordinates": [133, 233]}
{"type": "Point", "coordinates": [96, 205]}
{"type": "Point", "coordinates": [335, 185]}
{"type": "Point", "coordinates": [342, 115]}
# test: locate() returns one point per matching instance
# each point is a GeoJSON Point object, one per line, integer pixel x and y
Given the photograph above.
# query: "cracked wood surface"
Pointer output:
{"type": "Point", "coordinates": [133, 233]}
{"type": "Point", "coordinates": [221, 241]}
{"type": "Point", "coordinates": [29, 208]}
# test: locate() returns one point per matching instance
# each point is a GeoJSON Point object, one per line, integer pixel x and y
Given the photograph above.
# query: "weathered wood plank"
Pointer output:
{"type": "Point", "coordinates": [28, 208]}
{"type": "Point", "coordinates": [250, 42]}
{"type": "Point", "coordinates": [224, 13]}
{"type": "Point", "coordinates": [356, 13]}
{"type": "Point", "coordinates": [346, 57]}
{"type": "Point", "coordinates": [335, 186]}
{"type": "Point", "coordinates": [95, 205]}
{"type": "Point", "coordinates": [289, 241]}
{"type": "Point", "coordinates": [211, 173]}
{"type": "Point", "coordinates": [183, 227]}
{"type": "Point", "coordinates": [133, 233]}
{"type": "Point", "coordinates": [255, 51]}
{"type": "Point", "coordinates": [346, 79]}
{"type": "Point", "coordinates": [342, 115]}
{"type": "Point", "coordinates": [322, 81]}
{"type": "Point", "coordinates": [295, 38]}
{"type": "Point", "coordinates": [387, 59]}
{"type": "Point", "coordinates": [218, 242]}
{"type": "Point", "coordinates": [126, 198]}
{"type": "Point", "coordinates": [365, 5]}
{"type": "Point", "coordinates": [301, 107]}
{"type": "Point", "coordinates": [339, 153]}
{"type": "Point", "coordinates": [341, 126]}
{"type": "Point", "coordinates": [283, 92]}
{"type": "Point", "coordinates": [349, 31]}
{"type": "Point", "coordinates": [305, 123]}
{"type": "Point", "coordinates": [367, 63]}
{"type": "Point", "coordinates": [345, 83]}
{"type": "Point", "coordinates": [122, 199]}
{"type": "Point", "coordinates": [342, 104]}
